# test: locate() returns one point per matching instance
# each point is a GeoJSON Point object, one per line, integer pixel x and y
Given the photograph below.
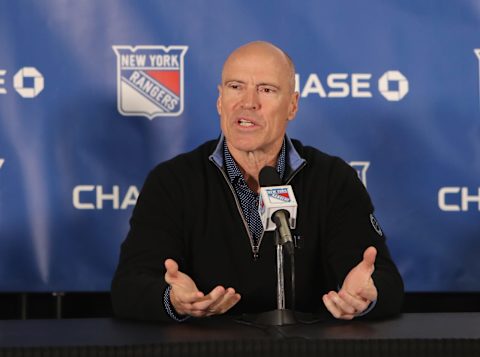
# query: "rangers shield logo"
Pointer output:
{"type": "Point", "coordinates": [278, 195]}
{"type": "Point", "coordinates": [150, 80]}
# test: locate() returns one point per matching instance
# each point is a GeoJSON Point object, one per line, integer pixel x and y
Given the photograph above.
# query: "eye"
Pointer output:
{"type": "Point", "coordinates": [234, 85]}
{"type": "Point", "coordinates": [267, 90]}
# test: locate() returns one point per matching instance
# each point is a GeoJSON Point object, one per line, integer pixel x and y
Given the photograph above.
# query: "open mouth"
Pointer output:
{"type": "Point", "coordinates": [245, 123]}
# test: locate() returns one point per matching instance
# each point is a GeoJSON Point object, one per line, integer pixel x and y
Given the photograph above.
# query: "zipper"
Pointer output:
{"type": "Point", "coordinates": [255, 247]}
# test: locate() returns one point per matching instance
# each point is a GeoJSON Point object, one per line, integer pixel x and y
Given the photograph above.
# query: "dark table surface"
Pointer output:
{"type": "Point", "coordinates": [115, 332]}
{"type": "Point", "coordinates": [419, 334]}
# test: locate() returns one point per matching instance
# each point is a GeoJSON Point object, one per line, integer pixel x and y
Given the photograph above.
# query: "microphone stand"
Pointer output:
{"type": "Point", "coordinates": [280, 316]}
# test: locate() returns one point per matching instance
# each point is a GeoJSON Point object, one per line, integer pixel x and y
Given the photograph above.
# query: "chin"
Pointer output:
{"type": "Point", "coordinates": [243, 145]}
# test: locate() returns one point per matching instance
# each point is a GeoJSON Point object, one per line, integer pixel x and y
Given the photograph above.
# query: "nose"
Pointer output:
{"type": "Point", "coordinates": [250, 99]}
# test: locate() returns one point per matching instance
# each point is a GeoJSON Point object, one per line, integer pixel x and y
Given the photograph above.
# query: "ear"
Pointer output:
{"type": "Point", "coordinates": [219, 100]}
{"type": "Point", "coordinates": [293, 106]}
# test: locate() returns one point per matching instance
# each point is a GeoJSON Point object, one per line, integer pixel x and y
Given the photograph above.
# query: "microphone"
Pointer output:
{"type": "Point", "coordinates": [277, 206]}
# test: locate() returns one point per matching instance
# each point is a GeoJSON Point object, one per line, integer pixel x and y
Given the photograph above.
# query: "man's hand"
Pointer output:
{"type": "Point", "coordinates": [188, 300]}
{"type": "Point", "coordinates": [357, 292]}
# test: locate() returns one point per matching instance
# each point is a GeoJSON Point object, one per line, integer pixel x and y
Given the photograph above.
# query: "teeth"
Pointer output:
{"type": "Point", "coordinates": [244, 122]}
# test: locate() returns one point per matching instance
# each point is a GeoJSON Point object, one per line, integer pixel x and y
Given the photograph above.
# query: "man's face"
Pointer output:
{"type": "Point", "coordinates": [256, 99]}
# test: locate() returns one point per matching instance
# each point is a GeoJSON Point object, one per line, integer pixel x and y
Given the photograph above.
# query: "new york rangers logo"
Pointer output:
{"type": "Point", "coordinates": [150, 80]}
{"type": "Point", "coordinates": [278, 194]}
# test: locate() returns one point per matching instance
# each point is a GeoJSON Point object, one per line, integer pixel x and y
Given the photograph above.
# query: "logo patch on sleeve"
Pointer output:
{"type": "Point", "coordinates": [375, 225]}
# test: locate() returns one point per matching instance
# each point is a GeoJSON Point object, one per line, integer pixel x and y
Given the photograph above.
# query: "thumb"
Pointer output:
{"type": "Point", "coordinates": [172, 270]}
{"type": "Point", "coordinates": [369, 257]}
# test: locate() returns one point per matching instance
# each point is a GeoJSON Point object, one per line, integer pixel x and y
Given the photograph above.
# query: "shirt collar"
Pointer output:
{"type": "Point", "coordinates": [292, 157]}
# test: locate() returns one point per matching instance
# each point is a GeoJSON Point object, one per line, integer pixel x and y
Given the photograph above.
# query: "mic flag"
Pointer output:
{"type": "Point", "coordinates": [275, 198]}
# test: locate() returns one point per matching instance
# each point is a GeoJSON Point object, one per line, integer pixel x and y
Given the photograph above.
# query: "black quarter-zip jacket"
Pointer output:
{"type": "Point", "coordinates": [187, 211]}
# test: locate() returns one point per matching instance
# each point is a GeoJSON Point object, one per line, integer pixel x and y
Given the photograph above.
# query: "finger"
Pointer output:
{"type": "Point", "coordinates": [211, 298]}
{"type": "Point", "coordinates": [357, 302]}
{"type": "Point", "coordinates": [344, 307]}
{"type": "Point", "coordinates": [227, 302]}
{"type": "Point", "coordinates": [230, 302]}
{"type": "Point", "coordinates": [331, 307]}
{"type": "Point", "coordinates": [334, 309]}
{"type": "Point", "coordinates": [216, 305]}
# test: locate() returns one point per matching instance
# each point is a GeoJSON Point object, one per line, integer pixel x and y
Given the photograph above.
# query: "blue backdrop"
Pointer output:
{"type": "Point", "coordinates": [93, 94]}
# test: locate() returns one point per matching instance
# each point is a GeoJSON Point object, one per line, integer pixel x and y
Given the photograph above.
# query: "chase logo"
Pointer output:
{"type": "Point", "coordinates": [392, 85]}
{"type": "Point", "coordinates": [150, 80]}
{"type": "Point", "coordinates": [28, 82]}
{"type": "Point", "coordinates": [278, 194]}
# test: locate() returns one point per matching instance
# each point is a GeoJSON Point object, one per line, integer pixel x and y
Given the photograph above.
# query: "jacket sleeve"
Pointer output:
{"type": "Point", "coordinates": [138, 286]}
{"type": "Point", "coordinates": [351, 228]}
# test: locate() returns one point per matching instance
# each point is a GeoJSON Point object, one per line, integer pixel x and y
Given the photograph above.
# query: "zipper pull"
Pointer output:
{"type": "Point", "coordinates": [255, 252]}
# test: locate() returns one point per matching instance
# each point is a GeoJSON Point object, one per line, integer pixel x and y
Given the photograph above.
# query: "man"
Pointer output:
{"type": "Point", "coordinates": [196, 246]}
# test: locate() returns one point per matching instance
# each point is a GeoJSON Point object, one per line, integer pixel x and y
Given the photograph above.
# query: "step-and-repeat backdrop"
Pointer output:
{"type": "Point", "coordinates": [93, 94]}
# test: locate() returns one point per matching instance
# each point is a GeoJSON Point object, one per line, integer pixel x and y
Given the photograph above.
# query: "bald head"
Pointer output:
{"type": "Point", "coordinates": [256, 101]}
{"type": "Point", "coordinates": [268, 54]}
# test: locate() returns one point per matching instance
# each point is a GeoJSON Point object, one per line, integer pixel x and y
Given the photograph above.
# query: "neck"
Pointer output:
{"type": "Point", "coordinates": [252, 162]}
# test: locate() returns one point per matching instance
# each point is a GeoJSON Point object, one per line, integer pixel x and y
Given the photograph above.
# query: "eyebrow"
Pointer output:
{"type": "Point", "coordinates": [233, 80]}
{"type": "Point", "coordinates": [269, 84]}
{"type": "Point", "coordinates": [258, 85]}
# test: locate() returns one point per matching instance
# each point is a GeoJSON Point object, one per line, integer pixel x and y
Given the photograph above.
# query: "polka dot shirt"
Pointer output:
{"type": "Point", "coordinates": [249, 199]}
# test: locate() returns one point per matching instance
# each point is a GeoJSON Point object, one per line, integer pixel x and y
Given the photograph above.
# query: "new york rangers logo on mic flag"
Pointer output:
{"type": "Point", "coordinates": [150, 80]}
{"type": "Point", "coordinates": [274, 198]}
{"type": "Point", "coordinates": [278, 195]}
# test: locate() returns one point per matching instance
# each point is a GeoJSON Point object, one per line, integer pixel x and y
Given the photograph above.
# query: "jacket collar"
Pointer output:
{"type": "Point", "coordinates": [294, 160]}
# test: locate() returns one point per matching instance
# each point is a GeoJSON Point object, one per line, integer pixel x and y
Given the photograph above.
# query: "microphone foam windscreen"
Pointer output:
{"type": "Point", "coordinates": [269, 177]}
